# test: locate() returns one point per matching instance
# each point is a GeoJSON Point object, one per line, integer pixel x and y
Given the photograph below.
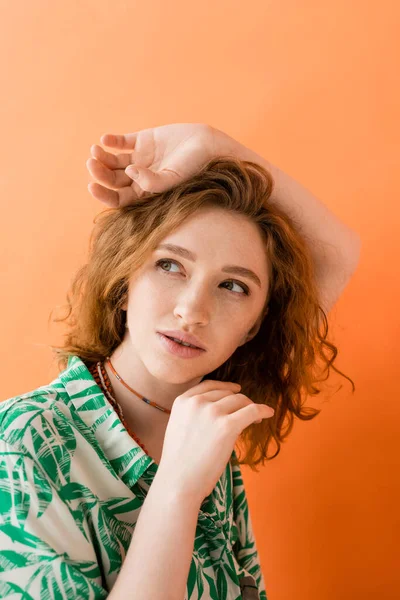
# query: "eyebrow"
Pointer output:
{"type": "Point", "coordinates": [235, 269]}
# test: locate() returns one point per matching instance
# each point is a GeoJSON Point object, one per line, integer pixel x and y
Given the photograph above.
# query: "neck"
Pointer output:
{"type": "Point", "coordinates": [144, 418]}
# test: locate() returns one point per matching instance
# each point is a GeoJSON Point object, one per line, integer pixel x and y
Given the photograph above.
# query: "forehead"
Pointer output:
{"type": "Point", "coordinates": [222, 237]}
{"type": "Point", "coordinates": [217, 225]}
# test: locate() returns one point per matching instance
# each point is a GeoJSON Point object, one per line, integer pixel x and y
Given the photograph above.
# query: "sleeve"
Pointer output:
{"type": "Point", "coordinates": [245, 548]}
{"type": "Point", "coordinates": [38, 535]}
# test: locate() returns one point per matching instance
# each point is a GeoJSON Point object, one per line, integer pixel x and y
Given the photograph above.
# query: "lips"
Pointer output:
{"type": "Point", "coordinates": [179, 349]}
{"type": "Point", "coordinates": [184, 337]}
{"type": "Point", "coordinates": [182, 343]}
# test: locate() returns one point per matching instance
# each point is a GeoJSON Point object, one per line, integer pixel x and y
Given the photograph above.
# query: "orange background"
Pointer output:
{"type": "Point", "coordinates": [314, 88]}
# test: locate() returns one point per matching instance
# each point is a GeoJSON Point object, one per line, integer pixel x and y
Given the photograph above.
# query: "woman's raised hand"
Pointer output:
{"type": "Point", "coordinates": [202, 430]}
{"type": "Point", "coordinates": [163, 156]}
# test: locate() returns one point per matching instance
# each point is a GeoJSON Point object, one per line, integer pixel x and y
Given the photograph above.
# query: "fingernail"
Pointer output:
{"type": "Point", "coordinates": [133, 172]}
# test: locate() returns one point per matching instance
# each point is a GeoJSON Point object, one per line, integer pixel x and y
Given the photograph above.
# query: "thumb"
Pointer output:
{"type": "Point", "coordinates": [151, 181]}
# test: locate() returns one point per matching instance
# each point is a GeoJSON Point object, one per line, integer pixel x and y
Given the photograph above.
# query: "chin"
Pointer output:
{"type": "Point", "coordinates": [173, 375]}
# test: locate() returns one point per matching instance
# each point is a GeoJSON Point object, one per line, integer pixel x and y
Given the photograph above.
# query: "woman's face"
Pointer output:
{"type": "Point", "coordinates": [197, 296]}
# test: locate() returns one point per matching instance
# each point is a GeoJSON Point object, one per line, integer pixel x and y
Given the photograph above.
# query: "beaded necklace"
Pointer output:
{"type": "Point", "coordinates": [101, 377]}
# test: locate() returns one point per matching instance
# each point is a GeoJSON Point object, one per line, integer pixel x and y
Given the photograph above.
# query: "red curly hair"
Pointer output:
{"type": "Point", "coordinates": [279, 365]}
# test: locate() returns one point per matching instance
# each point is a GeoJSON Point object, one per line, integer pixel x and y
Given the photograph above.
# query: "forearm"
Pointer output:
{"type": "Point", "coordinates": [330, 241]}
{"type": "Point", "coordinates": [158, 559]}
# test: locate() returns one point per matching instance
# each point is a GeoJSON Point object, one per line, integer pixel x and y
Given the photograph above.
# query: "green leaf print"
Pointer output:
{"type": "Point", "coordinates": [72, 485]}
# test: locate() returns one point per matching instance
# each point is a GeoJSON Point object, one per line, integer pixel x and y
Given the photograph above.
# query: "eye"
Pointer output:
{"type": "Point", "coordinates": [164, 261]}
{"type": "Point", "coordinates": [244, 287]}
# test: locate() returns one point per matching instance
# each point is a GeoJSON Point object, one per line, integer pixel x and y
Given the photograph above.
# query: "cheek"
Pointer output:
{"type": "Point", "coordinates": [145, 300]}
{"type": "Point", "coordinates": [231, 338]}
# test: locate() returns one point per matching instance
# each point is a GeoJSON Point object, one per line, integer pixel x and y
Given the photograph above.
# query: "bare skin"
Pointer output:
{"type": "Point", "coordinates": [165, 156]}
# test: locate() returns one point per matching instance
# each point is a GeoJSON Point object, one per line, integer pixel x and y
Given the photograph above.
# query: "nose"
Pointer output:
{"type": "Point", "coordinates": [193, 306]}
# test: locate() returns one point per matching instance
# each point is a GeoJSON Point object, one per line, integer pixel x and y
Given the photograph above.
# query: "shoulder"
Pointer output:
{"type": "Point", "coordinates": [17, 412]}
{"type": "Point", "coordinates": [54, 403]}
{"type": "Point", "coordinates": [62, 425]}
{"type": "Point", "coordinates": [38, 429]}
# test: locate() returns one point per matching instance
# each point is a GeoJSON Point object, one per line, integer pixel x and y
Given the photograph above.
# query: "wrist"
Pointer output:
{"type": "Point", "coordinates": [225, 145]}
{"type": "Point", "coordinates": [173, 490]}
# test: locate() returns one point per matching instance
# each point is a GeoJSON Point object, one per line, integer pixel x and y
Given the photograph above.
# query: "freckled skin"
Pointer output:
{"type": "Point", "coordinates": [196, 297]}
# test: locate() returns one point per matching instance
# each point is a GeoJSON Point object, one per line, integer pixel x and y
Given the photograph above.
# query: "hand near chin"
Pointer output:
{"type": "Point", "coordinates": [164, 156]}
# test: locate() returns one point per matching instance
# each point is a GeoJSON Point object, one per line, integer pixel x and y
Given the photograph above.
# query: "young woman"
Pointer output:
{"type": "Point", "coordinates": [196, 322]}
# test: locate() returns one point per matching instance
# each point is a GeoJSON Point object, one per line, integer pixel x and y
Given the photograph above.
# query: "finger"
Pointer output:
{"type": "Point", "coordinates": [228, 399]}
{"type": "Point", "coordinates": [124, 141]}
{"type": "Point", "coordinates": [111, 177]}
{"type": "Point", "coordinates": [152, 181]}
{"type": "Point", "coordinates": [233, 402]}
{"type": "Point", "coordinates": [108, 197]}
{"type": "Point", "coordinates": [114, 199]}
{"type": "Point", "coordinates": [249, 414]}
{"type": "Point", "coordinates": [210, 385]}
{"type": "Point", "coordinates": [113, 161]}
